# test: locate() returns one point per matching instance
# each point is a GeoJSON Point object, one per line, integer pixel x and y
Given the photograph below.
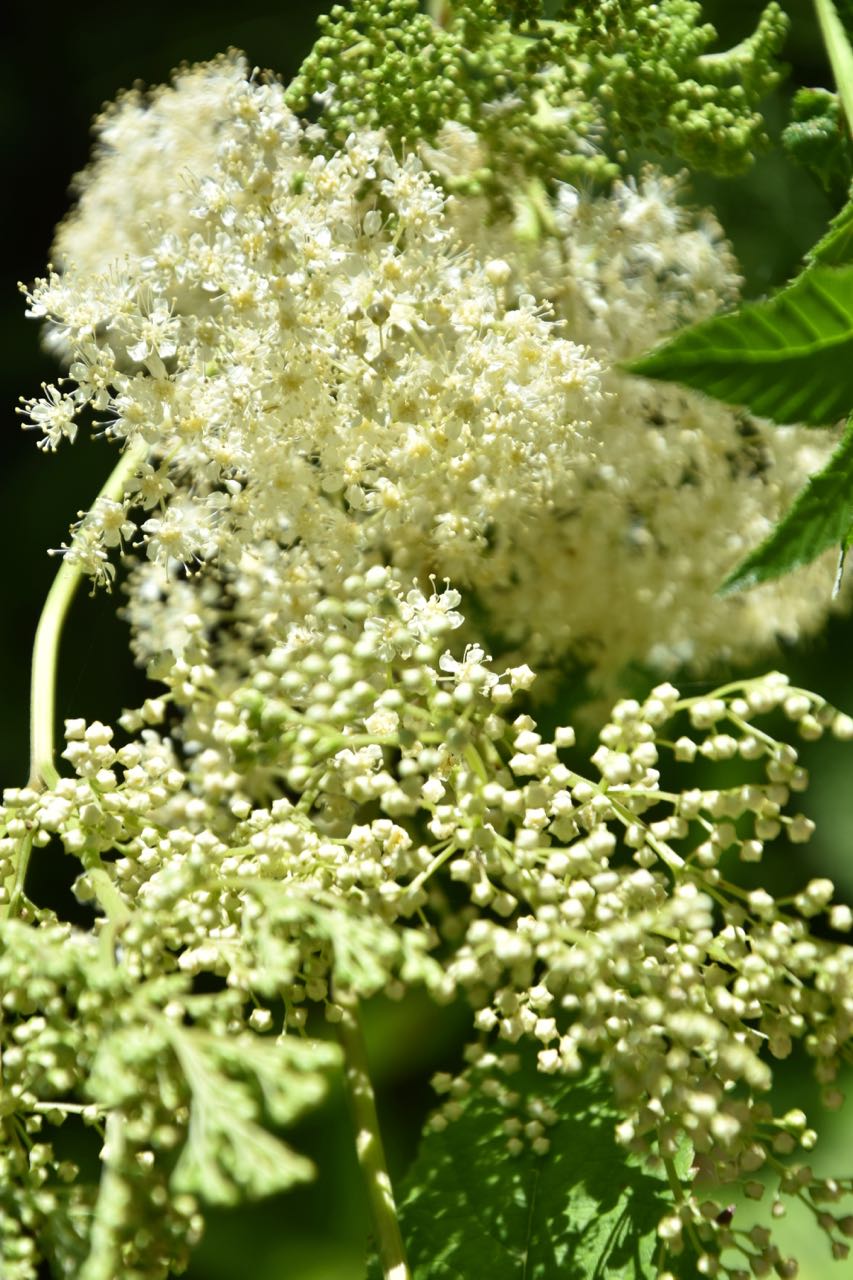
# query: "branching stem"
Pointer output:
{"type": "Point", "coordinates": [368, 1143]}
{"type": "Point", "coordinates": [46, 648]}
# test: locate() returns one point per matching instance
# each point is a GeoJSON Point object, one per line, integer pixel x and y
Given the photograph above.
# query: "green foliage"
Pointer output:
{"type": "Point", "coordinates": [228, 1155]}
{"type": "Point", "coordinates": [62, 1006]}
{"type": "Point", "coordinates": [789, 358]}
{"type": "Point", "coordinates": [480, 1201]}
{"type": "Point", "coordinates": [836, 39]}
{"type": "Point", "coordinates": [186, 1093]}
{"type": "Point", "coordinates": [819, 139]}
{"type": "Point", "coordinates": [821, 517]}
{"type": "Point", "coordinates": [835, 249]}
{"type": "Point", "coordinates": [549, 100]}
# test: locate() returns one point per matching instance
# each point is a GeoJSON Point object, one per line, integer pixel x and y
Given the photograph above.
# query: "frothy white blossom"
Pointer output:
{"type": "Point", "coordinates": [335, 365]}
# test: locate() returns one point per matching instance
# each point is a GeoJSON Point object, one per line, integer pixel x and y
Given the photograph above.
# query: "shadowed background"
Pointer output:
{"type": "Point", "coordinates": [54, 78]}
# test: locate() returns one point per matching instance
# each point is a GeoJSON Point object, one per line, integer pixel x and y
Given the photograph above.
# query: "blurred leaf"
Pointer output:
{"type": "Point", "coordinates": [837, 45]}
{"type": "Point", "coordinates": [789, 358]}
{"type": "Point", "coordinates": [228, 1155]}
{"type": "Point", "coordinates": [822, 516]}
{"type": "Point", "coordinates": [583, 1210]}
{"type": "Point", "coordinates": [365, 948]}
{"type": "Point", "coordinates": [818, 139]}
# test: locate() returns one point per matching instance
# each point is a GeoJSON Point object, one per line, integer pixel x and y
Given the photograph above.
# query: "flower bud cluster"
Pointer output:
{"type": "Point", "coordinates": [336, 381]}
{"type": "Point", "coordinates": [550, 98]}
{"type": "Point", "coordinates": [359, 799]}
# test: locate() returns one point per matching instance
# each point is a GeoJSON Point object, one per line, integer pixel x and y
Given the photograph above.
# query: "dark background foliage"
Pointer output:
{"type": "Point", "coordinates": [55, 75]}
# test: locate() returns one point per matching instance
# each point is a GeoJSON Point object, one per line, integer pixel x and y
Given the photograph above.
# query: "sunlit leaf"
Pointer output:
{"type": "Point", "coordinates": [584, 1210]}
{"type": "Point", "coordinates": [821, 517]}
{"type": "Point", "coordinates": [229, 1154]}
{"type": "Point", "coordinates": [789, 358]}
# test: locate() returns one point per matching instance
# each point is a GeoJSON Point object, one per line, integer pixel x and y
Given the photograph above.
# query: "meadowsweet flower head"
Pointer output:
{"type": "Point", "coordinates": [333, 364]}
{"type": "Point", "coordinates": [382, 465]}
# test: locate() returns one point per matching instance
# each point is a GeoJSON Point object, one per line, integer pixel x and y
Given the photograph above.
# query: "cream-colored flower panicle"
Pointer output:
{"type": "Point", "coordinates": [333, 364]}
{"type": "Point", "coordinates": [376, 429]}
{"type": "Point", "coordinates": [680, 487]}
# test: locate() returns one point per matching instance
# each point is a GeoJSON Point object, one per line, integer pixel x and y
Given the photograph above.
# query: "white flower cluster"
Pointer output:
{"type": "Point", "coordinates": [338, 384]}
{"type": "Point", "coordinates": [333, 364]}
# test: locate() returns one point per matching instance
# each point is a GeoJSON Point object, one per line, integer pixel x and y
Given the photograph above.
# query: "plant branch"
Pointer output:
{"type": "Point", "coordinates": [46, 648]}
{"type": "Point", "coordinates": [112, 1206]}
{"type": "Point", "coordinates": [368, 1142]}
{"type": "Point", "coordinates": [18, 880]}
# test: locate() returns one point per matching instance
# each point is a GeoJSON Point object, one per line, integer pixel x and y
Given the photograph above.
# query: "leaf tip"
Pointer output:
{"type": "Point", "coordinates": [736, 582]}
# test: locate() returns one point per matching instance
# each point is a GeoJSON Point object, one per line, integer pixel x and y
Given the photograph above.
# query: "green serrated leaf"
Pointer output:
{"type": "Point", "coordinates": [228, 1155]}
{"type": "Point", "coordinates": [288, 1070]}
{"type": "Point", "coordinates": [835, 249]}
{"type": "Point", "coordinates": [821, 517]}
{"type": "Point", "coordinates": [224, 1163]}
{"type": "Point", "coordinates": [789, 358]}
{"type": "Point", "coordinates": [585, 1210]}
{"type": "Point", "coordinates": [364, 948]}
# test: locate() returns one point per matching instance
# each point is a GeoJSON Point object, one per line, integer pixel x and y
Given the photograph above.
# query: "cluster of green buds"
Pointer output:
{"type": "Point", "coordinates": [550, 99]}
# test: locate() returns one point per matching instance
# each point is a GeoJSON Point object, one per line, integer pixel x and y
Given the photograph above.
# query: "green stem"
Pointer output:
{"type": "Point", "coordinates": [22, 862]}
{"type": "Point", "coordinates": [840, 54]}
{"type": "Point", "coordinates": [112, 1207]}
{"type": "Point", "coordinates": [368, 1143]}
{"type": "Point", "coordinates": [675, 1186]}
{"type": "Point", "coordinates": [109, 899]}
{"type": "Point", "coordinates": [437, 862]}
{"type": "Point", "coordinates": [112, 904]}
{"type": "Point", "coordinates": [439, 11]}
{"type": "Point", "coordinates": [46, 648]}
